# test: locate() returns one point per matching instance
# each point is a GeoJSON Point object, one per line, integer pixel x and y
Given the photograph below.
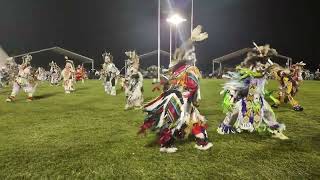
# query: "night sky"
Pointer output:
{"type": "Point", "coordinates": [89, 27]}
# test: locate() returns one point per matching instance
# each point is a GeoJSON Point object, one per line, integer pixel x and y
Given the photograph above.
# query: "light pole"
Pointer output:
{"type": "Point", "coordinates": [159, 4]}
{"type": "Point", "coordinates": [191, 18]}
{"type": "Point", "coordinates": [175, 20]}
{"type": "Point", "coordinates": [191, 23]}
{"type": "Point", "coordinates": [170, 42]}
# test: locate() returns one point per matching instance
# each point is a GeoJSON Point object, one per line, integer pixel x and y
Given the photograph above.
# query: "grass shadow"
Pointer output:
{"type": "Point", "coordinates": [177, 142]}
{"type": "Point", "coordinates": [148, 99]}
{"type": "Point", "coordinates": [81, 89]}
{"type": "Point", "coordinates": [120, 91]}
{"type": "Point", "coordinates": [152, 144]}
{"type": "Point", "coordinates": [44, 96]}
{"type": "Point", "coordinates": [5, 92]}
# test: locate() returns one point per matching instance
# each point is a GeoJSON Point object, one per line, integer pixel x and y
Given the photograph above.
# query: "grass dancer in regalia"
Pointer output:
{"type": "Point", "coordinates": [174, 114]}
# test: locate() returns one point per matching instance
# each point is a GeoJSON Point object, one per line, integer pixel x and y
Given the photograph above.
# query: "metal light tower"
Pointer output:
{"type": "Point", "coordinates": [159, 4]}
{"type": "Point", "coordinates": [175, 20]}
{"type": "Point", "coordinates": [191, 17]}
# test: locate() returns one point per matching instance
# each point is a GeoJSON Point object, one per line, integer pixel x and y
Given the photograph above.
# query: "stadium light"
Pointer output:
{"type": "Point", "coordinates": [175, 19]}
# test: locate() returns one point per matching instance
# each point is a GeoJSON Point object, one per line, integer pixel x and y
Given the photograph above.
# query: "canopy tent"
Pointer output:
{"type": "Point", "coordinates": [154, 53]}
{"type": "Point", "coordinates": [64, 52]}
{"type": "Point", "coordinates": [239, 53]}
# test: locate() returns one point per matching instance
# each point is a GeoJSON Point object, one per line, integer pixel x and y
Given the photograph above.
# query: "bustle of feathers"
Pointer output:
{"type": "Point", "coordinates": [134, 58]}
{"type": "Point", "coordinates": [187, 48]}
{"type": "Point", "coordinates": [26, 59]}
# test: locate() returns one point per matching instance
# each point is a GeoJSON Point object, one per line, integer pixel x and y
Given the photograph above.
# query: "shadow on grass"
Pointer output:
{"type": "Point", "coordinates": [44, 96]}
{"type": "Point", "coordinates": [211, 112]}
{"type": "Point", "coordinates": [81, 89]}
{"type": "Point", "coordinates": [148, 99]}
{"type": "Point", "coordinates": [283, 108]}
{"type": "Point", "coordinates": [120, 91]}
{"type": "Point", "coordinates": [152, 144]}
{"type": "Point", "coordinates": [178, 142]}
{"type": "Point", "coordinates": [5, 92]}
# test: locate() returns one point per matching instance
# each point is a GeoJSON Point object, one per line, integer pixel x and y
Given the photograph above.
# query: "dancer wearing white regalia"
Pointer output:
{"type": "Point", "coordinates": [3, 77]}
{"type": "Point", "coordinates": [9, 71]}
{"type": "Point", "coordinates": [68, 75]}
{"type": "Point", "coordinates": [41, 74]}
{"type": "Point", "coordinates": [133, 82]}
{"type": "Point", "coordinates": [109, 74]}
{"type": "Point", "coordinates": [25, 80]}
{"type": "Point", "coordinates": [54, 73]}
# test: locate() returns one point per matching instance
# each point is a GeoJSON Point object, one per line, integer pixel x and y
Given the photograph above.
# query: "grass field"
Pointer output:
{"type": "Point", "coordinates": [88, 135]}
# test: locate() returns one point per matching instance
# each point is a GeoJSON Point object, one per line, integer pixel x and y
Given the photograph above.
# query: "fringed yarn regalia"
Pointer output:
{"type": "Point", "coordinates": [289, 81]}
{"type": "Point", "coordinates": [244, 97]}
{"type": "Point", "coordinates": [174, 114]}
{"type": "Point", "coordinates": [81, 74]}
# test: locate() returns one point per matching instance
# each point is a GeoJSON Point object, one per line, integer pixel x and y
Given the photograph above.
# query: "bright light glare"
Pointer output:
{"type": "Point", "coordinates": [175, 19]}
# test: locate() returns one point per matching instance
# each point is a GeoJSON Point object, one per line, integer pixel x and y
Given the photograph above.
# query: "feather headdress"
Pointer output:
{"type": "Point", "coordinates": [68, 61]}
{"type": "Point", "coordinates": [187, 51]}
{"type": "Point", "coordinates": [106, 54]}
{"type": "Point", "coordinates": [134, 58]}
{"type": "Point", "coordinates": [26, 59]}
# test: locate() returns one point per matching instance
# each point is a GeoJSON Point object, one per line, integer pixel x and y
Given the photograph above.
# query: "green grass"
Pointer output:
{"type": "Point", "coordinates": [88, 135]}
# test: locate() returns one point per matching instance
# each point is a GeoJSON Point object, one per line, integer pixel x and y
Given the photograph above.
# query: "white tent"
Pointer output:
{"type": "Point", "coordinates": [242, 52]}
{"type": "Point", "coordinates": [61, 51]}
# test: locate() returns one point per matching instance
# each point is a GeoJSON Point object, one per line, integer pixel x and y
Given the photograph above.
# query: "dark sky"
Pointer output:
{"type": "Point", "coordinates": [91, 26]}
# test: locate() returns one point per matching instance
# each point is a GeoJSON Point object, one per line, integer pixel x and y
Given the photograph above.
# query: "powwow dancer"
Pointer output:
{"type": "Point", "coordinates": [55, 73]}
{"type": "Point", "coordinates": [289, 80]}
{"type": "Point", "coordinates": [174, 114]}
{"type": "Point", "coordinates": [81, 73]}
{"type": "Point", "coordinates": [133, 82]}
{"type": "Point", "coordinates": [4, 77]}
{"type": "Point", "coordinates": [109, 74]}
{"type": "Point", "coordinates": [41, 74]}
{"type": "Point", "coordinates": [68, 76]}
{"type": "Point", "coordinates": [25, 79]}
{"type": "Point", "coordinates": [11, 71]}
{"type": "Point", "coordinates": [244, 97]}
